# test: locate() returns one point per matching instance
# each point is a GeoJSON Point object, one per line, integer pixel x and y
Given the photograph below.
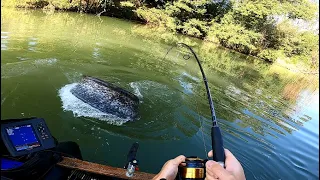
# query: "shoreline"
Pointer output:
{"type": "Point", "coordinates": [279, 62]}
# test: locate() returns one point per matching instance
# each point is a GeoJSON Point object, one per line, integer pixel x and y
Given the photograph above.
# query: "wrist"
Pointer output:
{"type": "Point", "coordinates": [160, 176]}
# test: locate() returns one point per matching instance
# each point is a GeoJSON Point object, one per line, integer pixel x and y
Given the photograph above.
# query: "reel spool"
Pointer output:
{"type": "Point", "coordinates": [192, 168]}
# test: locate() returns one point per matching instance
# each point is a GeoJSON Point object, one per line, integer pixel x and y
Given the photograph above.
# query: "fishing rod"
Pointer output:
{"type": "Point", "coordinates": [190, 169]}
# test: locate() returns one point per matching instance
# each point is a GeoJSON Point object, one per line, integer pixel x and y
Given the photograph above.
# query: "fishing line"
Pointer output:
{"type": "Point", "coordinates": [186, 56]}
{"type": "Point", "coordinates": [216, 137]}
{"type": "Point", "coordinates": [202, 133]}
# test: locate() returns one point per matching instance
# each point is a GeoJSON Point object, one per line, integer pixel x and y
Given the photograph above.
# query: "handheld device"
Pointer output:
{"type": "Point", "coordinates": [25, 136]}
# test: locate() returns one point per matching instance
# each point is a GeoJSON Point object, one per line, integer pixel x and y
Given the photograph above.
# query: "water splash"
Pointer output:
{"type": "Point", "coordinates": [191, 77]}
{"type": "Point", "coordinates": [47, 61]}
{"type": "Point", "coordinates": [81, 109]}
{"type": "Point", "coordinates": [136, 89]}
{"type": "Point", "coordinates": [152, 90]}
{"type": "Point", "coordinates": [187, 81]}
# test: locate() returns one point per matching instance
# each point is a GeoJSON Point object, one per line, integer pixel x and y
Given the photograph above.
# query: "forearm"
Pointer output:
{"type": "Point", "coordinates": [160, 177]}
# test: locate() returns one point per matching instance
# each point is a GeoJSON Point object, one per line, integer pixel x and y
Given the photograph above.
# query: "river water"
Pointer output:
{"type": "Point", "coordinates": [268, 119]}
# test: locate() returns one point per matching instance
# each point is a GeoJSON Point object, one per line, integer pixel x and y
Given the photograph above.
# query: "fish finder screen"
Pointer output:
{"type": "Point", "coordinates": [23, 137]}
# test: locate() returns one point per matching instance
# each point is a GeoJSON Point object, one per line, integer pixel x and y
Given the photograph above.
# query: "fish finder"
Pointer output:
{"type": "Point", "coordinates": [25, 136]}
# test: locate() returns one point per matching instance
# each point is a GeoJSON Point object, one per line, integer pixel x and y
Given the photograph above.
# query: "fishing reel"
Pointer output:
{"type": "Point", "coordinates": [131, 167]}
{"type": "Point", "coordinates": [192, 168]}
{"type": "Point", "coordinates": [132, 163]}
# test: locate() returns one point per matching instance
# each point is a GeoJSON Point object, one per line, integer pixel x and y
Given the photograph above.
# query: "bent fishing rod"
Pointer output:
{"type": "Point", "coordinates": [216, 137]}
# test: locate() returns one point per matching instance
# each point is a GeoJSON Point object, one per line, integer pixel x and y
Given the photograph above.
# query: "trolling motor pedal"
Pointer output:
{"type": "Point", "coordinates": [132, 162]}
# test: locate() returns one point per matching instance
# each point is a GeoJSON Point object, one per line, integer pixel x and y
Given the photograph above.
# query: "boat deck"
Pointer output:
{"type": "Point", "coordinates": [101, 170]}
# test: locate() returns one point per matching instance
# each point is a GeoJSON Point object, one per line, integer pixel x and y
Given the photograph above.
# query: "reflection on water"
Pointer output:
{"type": "Point", "coordinates": [4, 40]}
{"type": "Point", "coordinates": [96, 50]}
{"type": "Point", "coordinates": [269, 116]}
{"type": "Point", "coordinates": [32, 44]}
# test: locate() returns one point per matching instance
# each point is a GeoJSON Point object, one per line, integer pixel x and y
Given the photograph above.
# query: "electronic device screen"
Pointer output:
{"type": "Point", "coordinates": [23, 137]}
{"type": "Point", "coordinates": [9, 164]}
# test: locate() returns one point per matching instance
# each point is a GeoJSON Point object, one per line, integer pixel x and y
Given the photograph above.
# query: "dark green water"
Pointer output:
{"type": "Point", "coordinates": [42, 53]}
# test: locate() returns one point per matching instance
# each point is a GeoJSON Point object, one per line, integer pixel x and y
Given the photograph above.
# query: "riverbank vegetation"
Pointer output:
{"type": "Point", "coordinates": [271, 30]}
{"type": "Point", "coordinates": [108, 36]}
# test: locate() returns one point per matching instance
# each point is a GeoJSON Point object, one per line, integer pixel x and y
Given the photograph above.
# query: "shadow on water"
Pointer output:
{"type": "Point", "coordinates": [261, 108]}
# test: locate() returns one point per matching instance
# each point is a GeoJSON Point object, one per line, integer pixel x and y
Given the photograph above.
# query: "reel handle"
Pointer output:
{"type": "Point", "coordinates": [217, 146]}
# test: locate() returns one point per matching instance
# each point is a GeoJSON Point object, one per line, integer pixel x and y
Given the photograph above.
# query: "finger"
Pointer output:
{"type": "Point", "coordinates": [210, 153]}
{"type": "Point", "coordinates": [229, 154]}
{"type": "Point", "coordinates": [210, 178]}
{"type": "Point", "coordinates": [179, 159]}
{"type": "Point", "coordinates": [230, 158]}
{"type": "Point", "coordinates": [226, 151]}
{"type": "Point", "coordinates": [217, 169]}
{"type": "Point", "coordinates": [209, 172]}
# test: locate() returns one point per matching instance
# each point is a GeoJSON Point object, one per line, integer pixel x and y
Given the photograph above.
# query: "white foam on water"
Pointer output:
{"type": "Point", "coordinates": [32, 43]}
{"type": "Point", "coordinates": [136, 89]}
{"type": "Point", "coordinates": [48, 61]}
{"type": "Point", "coordinates": [187, 87]}
{"type": "Point", "coordinates": [33, 39]}
{"type": "Point", "coordinates": [190, 76]}
{"type": "Point", "coordinates": [95, 52]}
{"type": "Point", "coordinates": [22, 58]}
{"type": "Point", "coordinates": [185, 84]}
{"type": "Point", "coordinates": [232, 90]}
{"type": "Point", "coordinates": [81, 109]}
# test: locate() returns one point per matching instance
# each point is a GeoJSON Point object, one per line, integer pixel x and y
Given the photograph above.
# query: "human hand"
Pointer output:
{"type": "Point", "coordinates": [170, 168]}
{"type": "Point", "coordinates": [233, 171]}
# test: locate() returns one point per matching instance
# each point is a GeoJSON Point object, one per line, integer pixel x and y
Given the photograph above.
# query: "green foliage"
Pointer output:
{"type": "Point", "coordinates": [187, 9]}
{"type": "Point", "coordinates": [298, 45]}
{"type": "Point", "coordinates": [62, 4]}
{"type": "Point", "coordinates": [127, 4]}
{"type": "Point", "coordinates": [256, 14]}
{"type": "Point", "coordinates": [236, 37]}
{"type": "Point", "coordinates": [194, 27]}
{"type": "Point", "coordinates": [270, 54]}
{"type": "Point", "coordinates": [152, 16]}
{"type": "Point", "coordinates": [302, 9]}
{"type": "Point", "coordinates": [156, 17]}
{"type": "Point", "coordinates": [58, 4]}
{"type": "Point", "coordinates": [247, 26]}
{"type": "Point", "coordinates": [251, 28]}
